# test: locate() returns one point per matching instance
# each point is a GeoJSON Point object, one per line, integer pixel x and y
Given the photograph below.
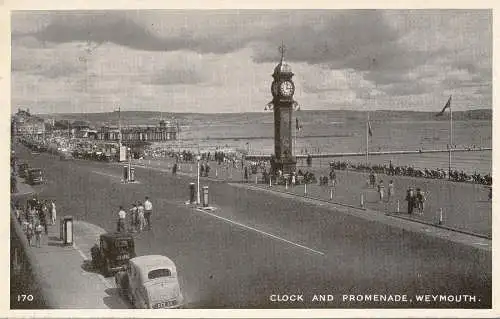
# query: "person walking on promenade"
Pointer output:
{"type": "Point", "coordinates": [148, 210]}
{"type": "Point", "coordinates": [390, 191]}
{"type": "Point", "coordinates": [133, 218]}
{"type": "Point", "coordinates": [42, 215]}
{"type": "Point", "coordinates": [53, 212]}
{"type": "Point", "coordinates": [174, 169]}
{"type": "Point", "coordinates": [140, 215]}
{"type": "Point", "coordinates": [121, 220]}
{"type": "Point", "coordinates": [410, 198]}
{"type": "Point", "coordinates": [294, 180]}
{"type": "Point", "coordinates": [38, 235]}
{"type": "Point", "coordinates": [202, 169]}
{"type": "Point", "coordinates": [207, 169]}
{"type": "Point", "coordinates": [29, 232]}
{"type": "Point", "coordinates": [246, 174]}
{"type": "Point", "coordinates": [380, 190]}
{"type": "Point", "coordinates": [420, 198]}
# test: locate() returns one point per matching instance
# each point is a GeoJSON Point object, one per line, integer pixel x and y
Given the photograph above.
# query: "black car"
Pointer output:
{"type": "Point", "coordinates": [35, 176]}
{"type": "Point", "coordinates": [113, 252]}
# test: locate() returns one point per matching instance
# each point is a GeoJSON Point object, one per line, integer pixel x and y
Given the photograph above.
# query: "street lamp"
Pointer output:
{"type": "Point", "coordinates": [198, 157]}
{"type": "Point", "coordinates": [129, 163]}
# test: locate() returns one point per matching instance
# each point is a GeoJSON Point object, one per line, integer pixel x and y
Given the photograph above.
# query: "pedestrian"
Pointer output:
{"type": "Point", "coordinates": [380, 189]}
{"type": "Point", "coordinates": [174, 169]}
{"type": "Point", "coordinates": [207, 169]}
{"type": "Point", "coordinates": [121, 220]}
{"type": "Point", "coordinates": [410, 198]}
{"type": "Point", "coordinates": [53, 212]}
{"type": "Point", "coordinates": [148, 210]}
{"type": "Point", "coordinates": [420, 198]}
{"type": "Point", "coordinates": [29, 232]}
{"type": "Point", "coordinates": [246, 174]}
{"type": "Point", "coordinates": [202, 169]}
{"type": "Point", "coordinates": [133, 218]}
{"type": "Point", "coordinates": [42, 215]}
{"type": "Point", "coordinates": [140, 215]}
{"type": "Point", "coordinates": [390, 191]}
{"type": "Point", "coordinates": [38, 234]}
{"type": "Point", "coordinates": [293, 179]}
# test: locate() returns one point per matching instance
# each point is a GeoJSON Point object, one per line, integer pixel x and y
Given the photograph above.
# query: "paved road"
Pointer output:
{"type": "Point", "coordinates": [256, 244]}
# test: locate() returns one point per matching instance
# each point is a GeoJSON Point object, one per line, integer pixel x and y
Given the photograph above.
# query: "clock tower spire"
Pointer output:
{"type": "Point", "coordinates": [283, 104]}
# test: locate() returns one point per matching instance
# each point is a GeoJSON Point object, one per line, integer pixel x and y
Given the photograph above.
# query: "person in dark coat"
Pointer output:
{"type": "Point", "coordinates": [174, 169]}
{"type": "Point", "coordinates": [410, 198]}
{"type": "Point", "coordinates": [246, 174]}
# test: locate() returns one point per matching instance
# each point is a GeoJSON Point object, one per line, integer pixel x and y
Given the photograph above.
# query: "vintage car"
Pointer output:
{"type": "Point", "coordinates": [35, 176]}
{"type": "Point", "coordinates": [113, 252]}
{"type": "Point", "coordinates": [66, 156]}
{"type": "Point", "coordinates": [150, 282]}
{"type": "Point", "coordinates": [23, 170]}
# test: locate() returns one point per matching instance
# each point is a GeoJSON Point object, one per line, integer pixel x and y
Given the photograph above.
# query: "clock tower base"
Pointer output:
{"type": "Point", "coordinates": [286, 165]}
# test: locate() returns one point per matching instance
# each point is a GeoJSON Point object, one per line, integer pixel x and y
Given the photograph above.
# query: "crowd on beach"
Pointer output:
{"type": "Point", "coordinates": [457, 176]}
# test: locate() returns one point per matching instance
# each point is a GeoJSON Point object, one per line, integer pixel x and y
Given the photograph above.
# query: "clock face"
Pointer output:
{"type": "Point", "coordinates": [287, 88]}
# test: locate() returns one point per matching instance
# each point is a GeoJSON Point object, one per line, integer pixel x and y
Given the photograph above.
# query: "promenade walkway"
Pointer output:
{"type": "Point", "coordinates": [465, 207]}
{"type": "Point", "coordinates": [61, 274]}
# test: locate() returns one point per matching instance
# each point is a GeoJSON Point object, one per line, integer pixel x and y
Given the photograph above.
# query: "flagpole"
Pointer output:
{"type": "Point", "coordinates": [451, 142]}
{"type": "Point", "coordinates": [367, 137]}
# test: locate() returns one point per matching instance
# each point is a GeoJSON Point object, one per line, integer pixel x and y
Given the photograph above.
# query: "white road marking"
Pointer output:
{"type": "Point", "coordinates": [261, 232]}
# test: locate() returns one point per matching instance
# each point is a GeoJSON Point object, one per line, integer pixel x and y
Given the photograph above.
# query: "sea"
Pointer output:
{"type": "Point", "coordinates": [334, 131]}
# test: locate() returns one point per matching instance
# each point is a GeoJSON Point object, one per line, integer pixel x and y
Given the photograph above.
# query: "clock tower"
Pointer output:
{"type": "Point", "coordinates": [282, 90]}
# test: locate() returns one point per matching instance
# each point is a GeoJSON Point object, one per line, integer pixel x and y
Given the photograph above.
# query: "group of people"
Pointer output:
{"type": "Point", "coordinates": [416, 200]}
{"type": "Point", "coordinates": [35, 218]}
{"type": "Point", "coordinates": [414, 172]}
{"type": "Point", "coordinates": [139, 217]}
{"type": "Point", "coordinates": [380, 187]}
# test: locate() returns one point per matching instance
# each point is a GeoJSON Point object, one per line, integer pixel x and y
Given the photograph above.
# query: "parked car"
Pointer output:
{"type": "Point", "coordinates": [150, 282]}
{"type": "Point", "coordinates": [113, 252]}
{"type": "Point", "coordinates": [35, 176]}
{"type": "Point", "coordinates": [66, 156]}
{"type": "Point", "coordinates": [23, 170]}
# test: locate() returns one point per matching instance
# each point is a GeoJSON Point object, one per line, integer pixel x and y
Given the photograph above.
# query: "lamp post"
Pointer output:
{"type": "Point", "coordinates": [198, 157]}
{"type": "Point", "coordinates": [129, 163]}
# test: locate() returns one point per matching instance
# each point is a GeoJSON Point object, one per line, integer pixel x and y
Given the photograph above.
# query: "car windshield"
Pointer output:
{"type": "Point", "coordinates": [158, 273]}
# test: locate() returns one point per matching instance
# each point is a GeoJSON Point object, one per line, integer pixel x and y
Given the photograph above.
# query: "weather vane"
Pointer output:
{"type": "Point", "coordinates": [282, 50]}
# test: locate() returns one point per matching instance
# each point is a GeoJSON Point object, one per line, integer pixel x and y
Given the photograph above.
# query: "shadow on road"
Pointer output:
{"type": "Point", "coordinates": [115, 300]}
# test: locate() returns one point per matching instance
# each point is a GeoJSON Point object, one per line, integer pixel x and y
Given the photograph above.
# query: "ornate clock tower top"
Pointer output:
{"type": "Point", "coordinates": [282, 68]}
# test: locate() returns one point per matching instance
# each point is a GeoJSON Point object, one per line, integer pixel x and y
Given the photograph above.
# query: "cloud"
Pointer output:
{"type": "Point", "coordinates": [222, 59]}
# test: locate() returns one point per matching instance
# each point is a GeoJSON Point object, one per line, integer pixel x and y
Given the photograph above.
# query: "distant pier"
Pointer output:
{"type": "Point", "coordinates": [332, 155]}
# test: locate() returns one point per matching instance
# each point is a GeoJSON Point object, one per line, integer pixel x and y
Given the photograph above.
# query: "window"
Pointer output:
{"type": "Point", "coordinates": [157, 273]}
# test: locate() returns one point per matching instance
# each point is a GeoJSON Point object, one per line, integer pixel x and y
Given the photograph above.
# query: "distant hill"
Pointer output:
{"type": "Point", "coordinates": [153, 118]}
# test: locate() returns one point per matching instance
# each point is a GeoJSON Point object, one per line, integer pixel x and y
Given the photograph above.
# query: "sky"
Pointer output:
{"type": "Point", "coordinates": [211, 61]}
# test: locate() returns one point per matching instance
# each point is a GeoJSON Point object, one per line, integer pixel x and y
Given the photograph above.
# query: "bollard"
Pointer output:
{"type": "Point", "coordinates": [216, 172]}
{"type": "Point", "coordinates": [286, 184]}
{"type": "Point", "coordinates": [256, 181]}
{"type": "Point", "coordinates": [397, 208]}
{"type": "Point", "coordinates": [331, 193]}
{"type": "Point", "coordinates": [270, 182]}
{"type": "Point", "coordinates": [205, 196]}
{"type": "Point", "coordinates": [362, 203]}
{"type": "Point", "coordinates": [305, 189]}
{"type": "Point", "coordinates": [440, 221]}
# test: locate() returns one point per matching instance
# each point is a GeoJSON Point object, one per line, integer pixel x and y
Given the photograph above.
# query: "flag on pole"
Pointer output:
{"type": "Point", "coordinates": [447, 106]}
{"type": "Point", "coordinates": [298, 127]}
{"type": "Point", "coordinates": [370, 132]}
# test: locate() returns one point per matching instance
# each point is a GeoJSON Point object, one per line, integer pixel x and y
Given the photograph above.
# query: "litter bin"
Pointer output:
{"type": "Point", "coordinates": [132, 174]}
{"type": "Point", "coordinates": [67, 230]}
{"type": "Point", "coordinates": [192, 192]}
{"type": "Point", "coordinates": [205, 196]}
{"type": "Point", "coordinates": [125, 173]}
